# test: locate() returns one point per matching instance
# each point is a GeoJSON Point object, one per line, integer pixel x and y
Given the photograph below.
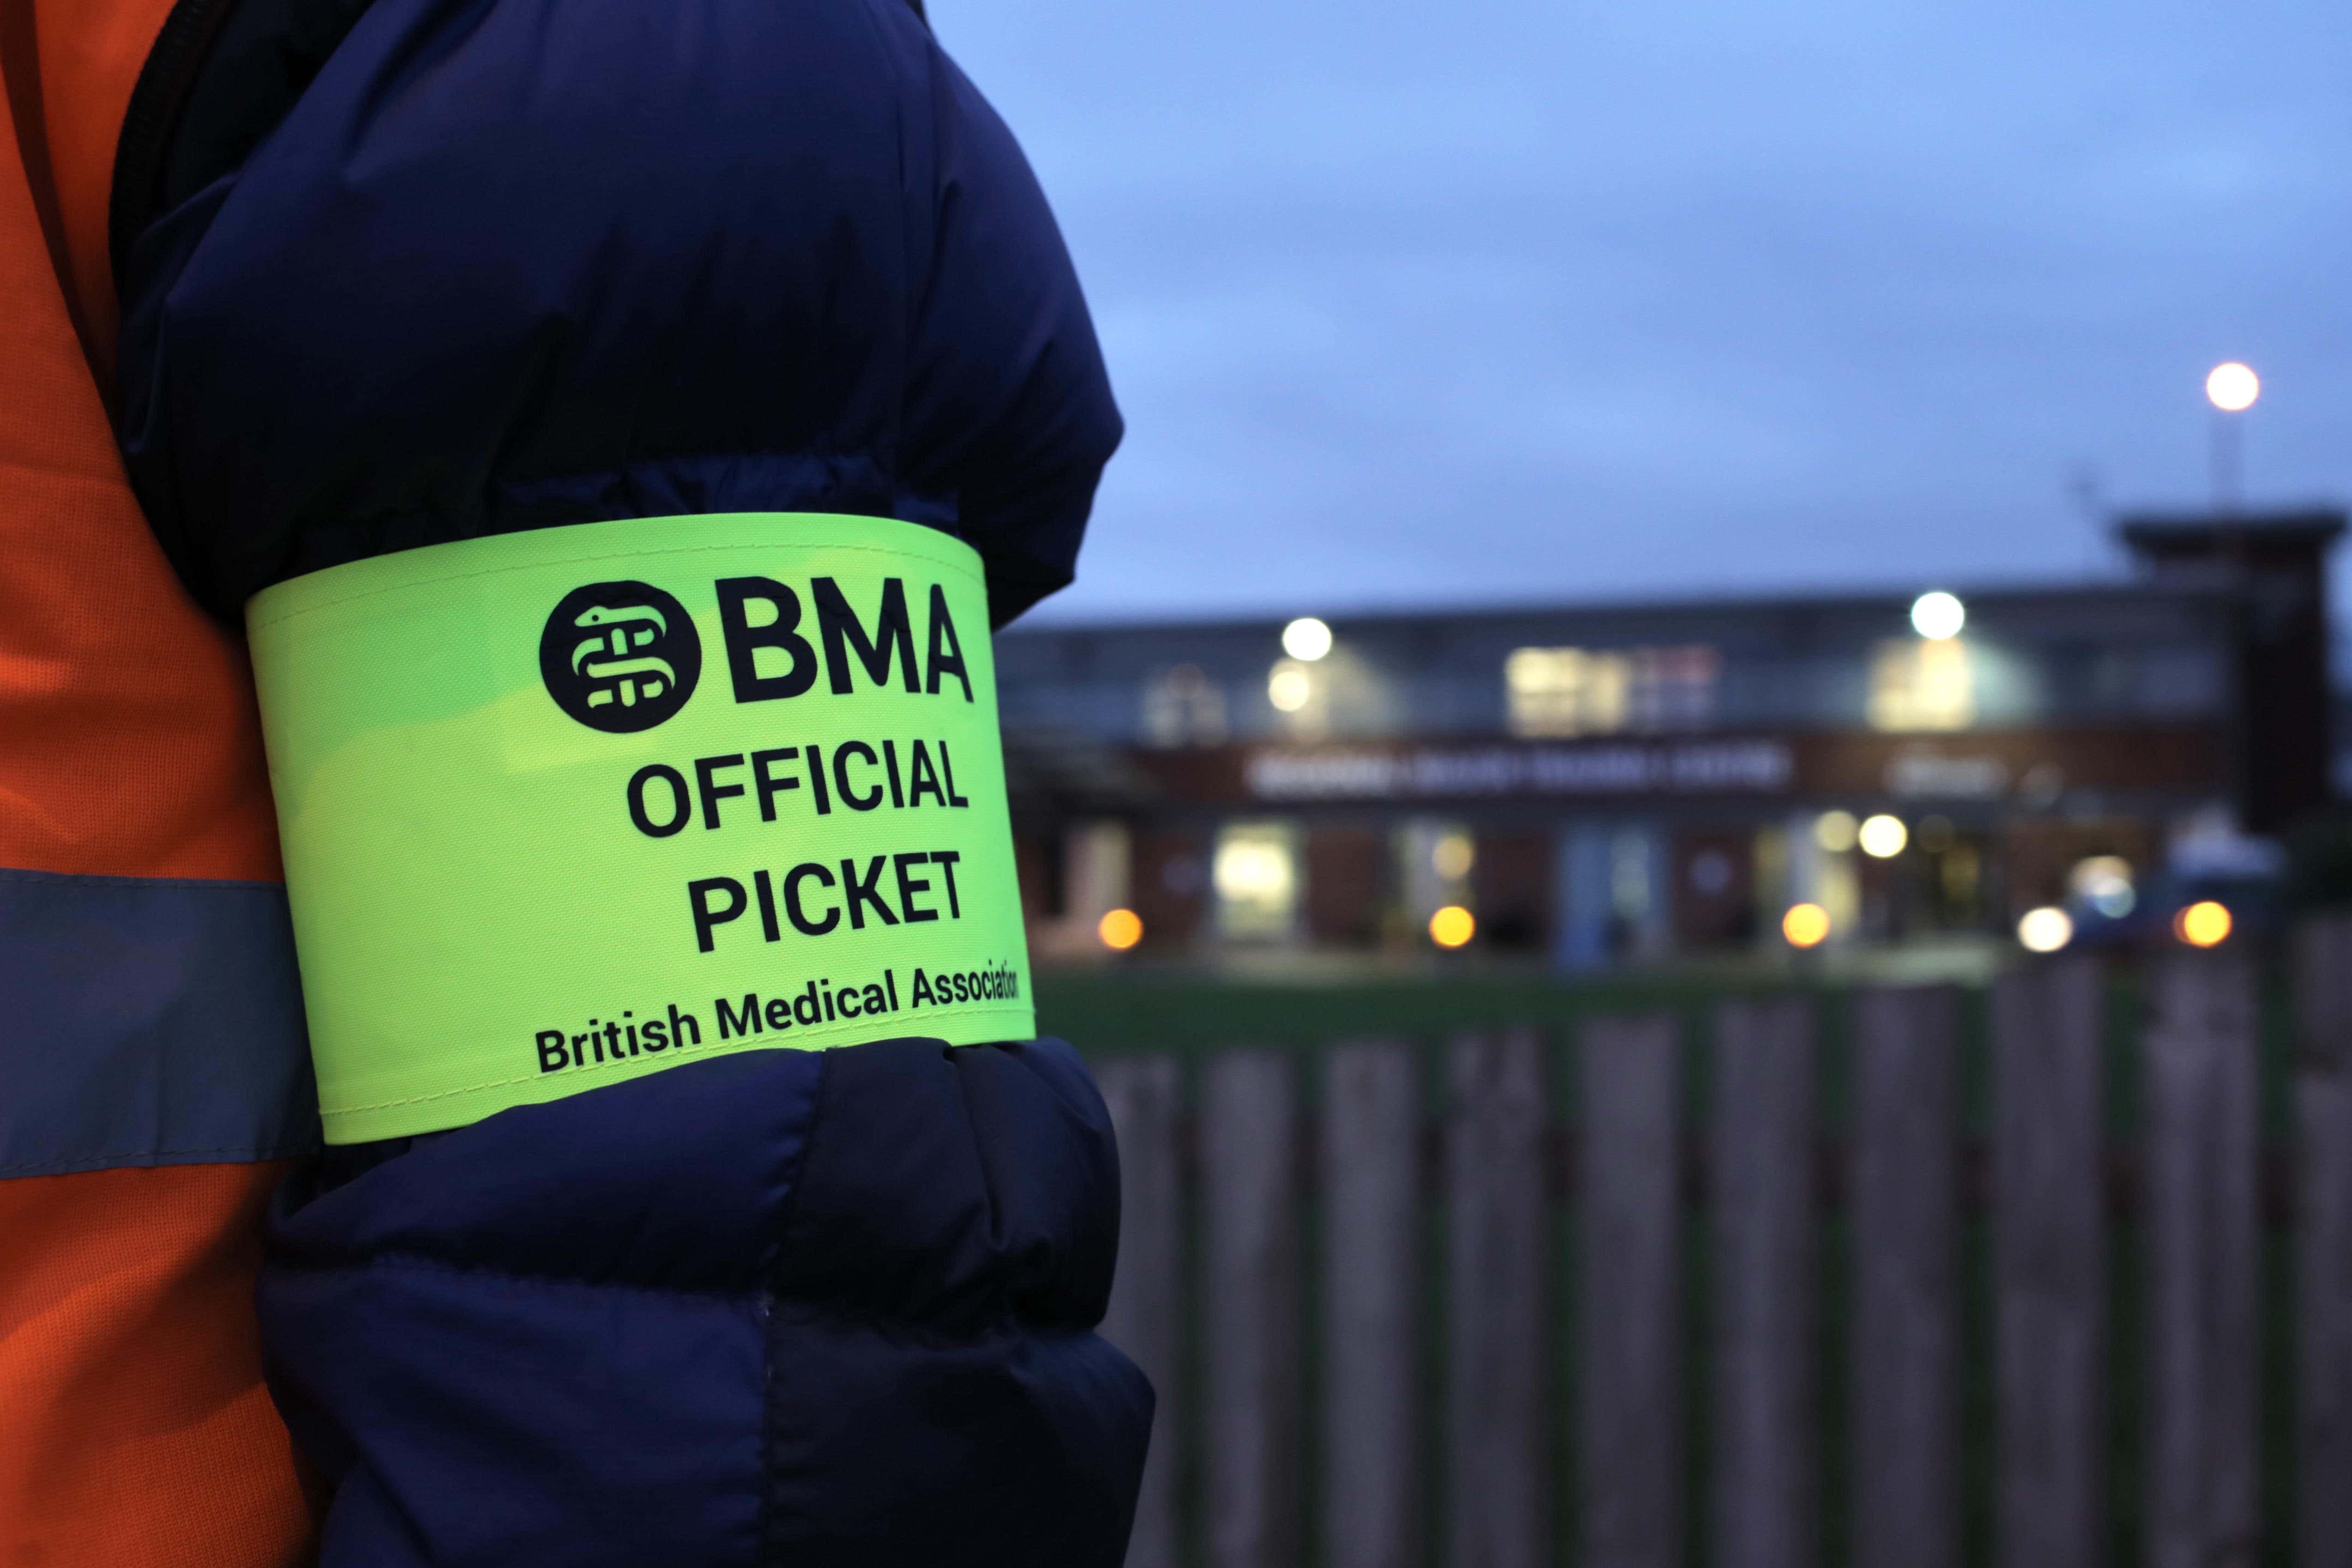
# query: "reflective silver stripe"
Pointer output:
{"type": "Point", "coordinates": [148, 1021]}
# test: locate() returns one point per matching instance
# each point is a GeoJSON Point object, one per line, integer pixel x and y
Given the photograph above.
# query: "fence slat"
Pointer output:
{"type": "Point", "coordinates": [2323, 994]}
{"type": "Point", "coordinates": [2050, 1265]}
{"type": "Point", "coordinates": [1146, 1315]}
{"type": "Point", "coordinates": [2323, 1290]}
{"type": "Point", "coordinates": [1249, 1116]}
{"type": "Point", "coordinates": [1371, 1289]}
{"type": "Point", "coordinates": [1906, 1276]}
{"type": "Point", "coordinates": [1629, 1338]}
{"type": "Point", "coordinates": [2323, 1251]}
{"type": "Point", "coordinates": [1497, 1371]}
{"type": "Point", "coordinates": [2199, 1093]}
{"type": "Point", "coordinates": [1766, 1259]}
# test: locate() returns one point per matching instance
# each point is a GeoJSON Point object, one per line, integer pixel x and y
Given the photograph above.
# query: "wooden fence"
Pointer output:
{"type": "Point", "coordinates": [1622, 1297]}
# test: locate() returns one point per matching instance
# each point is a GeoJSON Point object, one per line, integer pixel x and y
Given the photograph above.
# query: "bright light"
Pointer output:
{"type": "Point", "coordinates": [2204, 924]}
{"type": "Point", "coordinates": [1834, 831]}
{"type": "Point", "coordinates": [2232, 388]}
{"type": "Point", "coordinates": [2044, 930]}
{"type": "Point", "coordinates": [2105, 882]}
{"type": "Point", "coordinates": [1121, 929]}
{"type": "Point", "coordinates": [1307, 638]}
{"type": "Point", "coordinates": [1883, 837]}
{"type": "Point", "coordinates": [1452, 926]}
{"type": "Point", "coordinates": [1938, 615]}
{"type": "Point", "coordinates": [1805, 925]}
{"type": "Point", "coordinates": [1250, 869]}
{"type": "Point", "coordinates": [1289, 686]}
{"type": "Point", "coordinates": [1453, 856]}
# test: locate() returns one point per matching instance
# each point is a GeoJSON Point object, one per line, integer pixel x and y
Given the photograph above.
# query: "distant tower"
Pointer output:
{"type": "Point", "coordinates": [2274, 567]}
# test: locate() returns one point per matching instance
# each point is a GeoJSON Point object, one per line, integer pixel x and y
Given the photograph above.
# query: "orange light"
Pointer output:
{"type": "Point", "coordinates": [1121, 929]}
{"type": "Point", "coordinates": [2204, 924]}
{"type": "Point", "coordinates": [1805, 925]}
{"type": "Point", "coordinates": [1452, 926]}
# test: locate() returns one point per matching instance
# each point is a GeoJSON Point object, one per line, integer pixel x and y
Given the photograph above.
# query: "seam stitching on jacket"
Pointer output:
{"type": "Point", "coordinates": [1007, 1323]}
{"type": "Point", "coordinates": [242, 1153]}
{"type": "Point", "coordinates": [995, 1207]}
{"type": "Point", "coordinates": [775, 1306]}
{"type": "Point", "coordinates": [820, 1104]}
{"type": "Point", "coordinates": [424, 1263]}
{"type": "Point", "coordinates": [766, 1465]}
{"type": "Point", "coordinates": [82, 879]}
{"type": "Point", "coordinates": [820, 1100]}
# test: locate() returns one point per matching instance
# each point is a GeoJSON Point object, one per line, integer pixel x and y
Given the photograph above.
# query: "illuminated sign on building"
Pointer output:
{"type": "Point", "coordinates": [1371, 773]}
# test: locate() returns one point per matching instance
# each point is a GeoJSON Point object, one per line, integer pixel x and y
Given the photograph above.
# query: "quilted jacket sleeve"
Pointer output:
{"type": "Point", "coordinates": [785, 1307]}
{"type": "Point", "coordinates": [513, 264]}
{"type": "Point", "coordinates": [456, 267]}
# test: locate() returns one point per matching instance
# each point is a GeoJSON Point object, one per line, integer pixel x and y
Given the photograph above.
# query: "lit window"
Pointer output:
{"type": "Point", "coordinates": [1182, 707]}
{"type": "Point", "coordinates": [1289, 686]}
{"type": "Point", "coordinates": [2105, 882]}
{"type": "Point", "coordinates": [1434, 857]}
{"type": "Point", "coordinates": [1672, 688]}
{"type": "Point", "coordinates": [1925, 684]}
{"type": "Point", "coordinates": [1581, 691]}
{"type": "Point", "coordinates": [1256, 874]}
{"type": "Point", "coordinates": [1453, 855]}
{"type": "Point", "coordinates": [1961, 871]}
{"type": "Point", "coordinates": [1564, 691]}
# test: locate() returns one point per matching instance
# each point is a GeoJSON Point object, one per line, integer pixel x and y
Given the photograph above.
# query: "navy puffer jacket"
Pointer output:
{"type": "Point", "coordinates": [411, 271]}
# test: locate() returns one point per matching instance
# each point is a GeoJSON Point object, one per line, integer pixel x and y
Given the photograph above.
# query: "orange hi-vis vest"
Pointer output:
{"type": "Point", "coordinates": [153, 1072]}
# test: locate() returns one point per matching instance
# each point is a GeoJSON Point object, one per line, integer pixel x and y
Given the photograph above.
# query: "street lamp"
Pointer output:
{"type": "Point", "coordinates": [1938, 615]}
{"type": "Point", "coordinates": [1307, 639]}
{"type": "Point", "coordinates": [2232, 388]}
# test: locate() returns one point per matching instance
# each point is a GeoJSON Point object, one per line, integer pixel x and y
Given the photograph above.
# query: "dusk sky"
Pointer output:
{"type": "Point", "coordinates": [1494, 300]}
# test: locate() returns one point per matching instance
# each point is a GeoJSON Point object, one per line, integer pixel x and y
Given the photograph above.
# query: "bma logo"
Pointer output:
{"type": "Point", "coordinates": [620, 656]}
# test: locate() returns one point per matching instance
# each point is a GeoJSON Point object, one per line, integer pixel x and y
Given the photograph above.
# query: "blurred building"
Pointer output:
{"type": "Point", "coordinates": [1630, 780]}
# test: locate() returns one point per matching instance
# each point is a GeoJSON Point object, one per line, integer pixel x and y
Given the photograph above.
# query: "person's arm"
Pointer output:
{"type": "Point", "coordinates": [515, 265]}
